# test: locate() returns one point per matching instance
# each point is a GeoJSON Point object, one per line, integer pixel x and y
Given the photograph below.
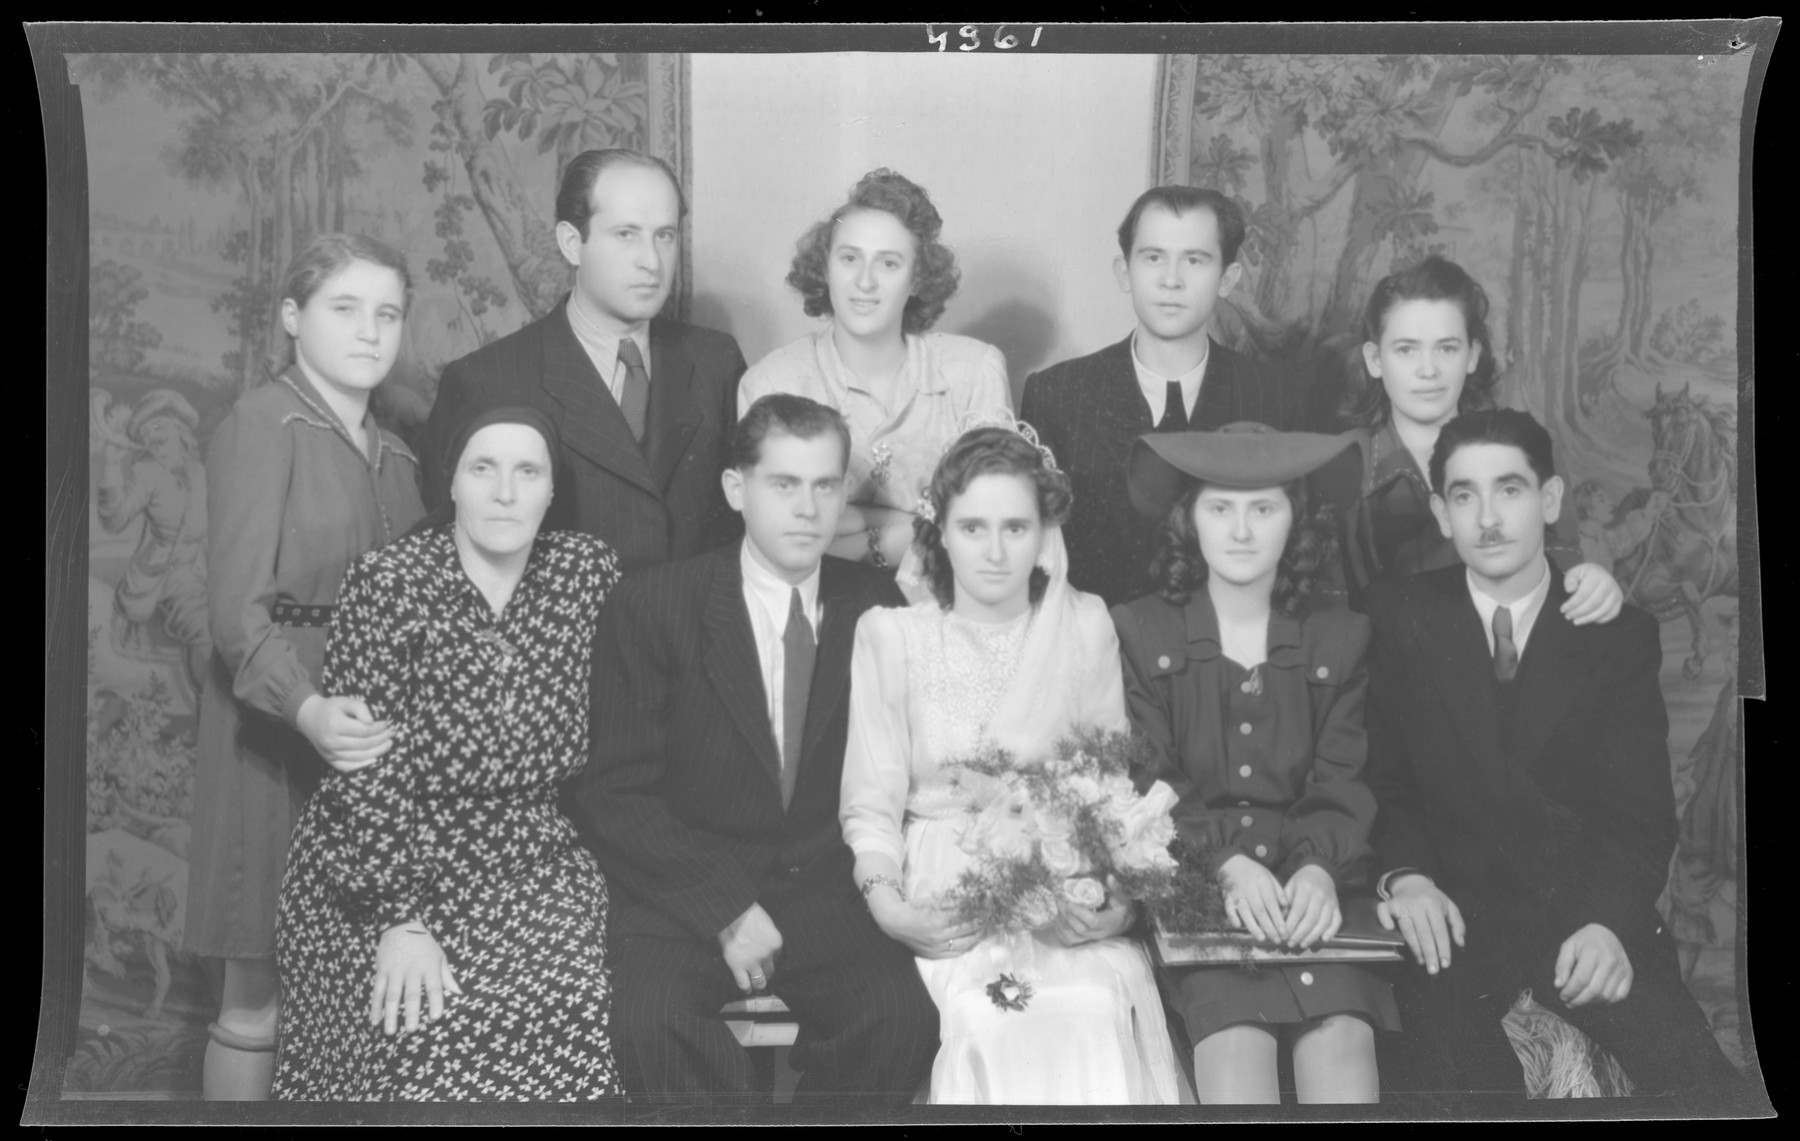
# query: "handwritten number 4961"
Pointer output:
{"type": "Point", "coordinates": [972, 35]}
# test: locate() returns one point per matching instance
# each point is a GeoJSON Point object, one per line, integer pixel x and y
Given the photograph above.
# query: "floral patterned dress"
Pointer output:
{"type": "Point", "coordinates": [929, 686]}
{"type": "Point", "coordinates": [457, 828]}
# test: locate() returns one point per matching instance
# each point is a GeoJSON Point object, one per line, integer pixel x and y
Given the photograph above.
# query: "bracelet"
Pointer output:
{"type": "Point", "coordinates": [876, 558]}
{"type": "Point", "coordinates": [879, 880]}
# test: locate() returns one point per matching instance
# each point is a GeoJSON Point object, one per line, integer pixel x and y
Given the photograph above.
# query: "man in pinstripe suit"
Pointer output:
{"type": "Point", "coordinates": [1178, 258]}
{"type": "Point", "coordinates": [642, 403]}
{"type": "Point", "coordinates": [721, 704]}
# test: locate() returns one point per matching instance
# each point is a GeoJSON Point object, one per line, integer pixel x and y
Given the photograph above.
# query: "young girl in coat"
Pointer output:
{"type": "Point", "coordinates": [301, 483]}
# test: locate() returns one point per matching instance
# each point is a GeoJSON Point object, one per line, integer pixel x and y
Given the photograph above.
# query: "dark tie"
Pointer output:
{"type": "Point", "coordinates": [1174, 418]}
{"type": "Point", "coordinates": [798, 653]}
{"type": "Point", "coordinates": [1506, 655]}
{"type": "Point", "coordinates": [635, 396]}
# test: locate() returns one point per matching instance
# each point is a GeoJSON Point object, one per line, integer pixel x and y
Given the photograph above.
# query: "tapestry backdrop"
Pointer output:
{"type": "Point", "coordinates": [1596, 199]}
{"type": "Point", "coordinates": [206, 172]}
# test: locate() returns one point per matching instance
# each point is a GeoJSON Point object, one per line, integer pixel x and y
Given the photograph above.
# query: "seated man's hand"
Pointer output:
{"type": "Point", "coordinates": [1593, 967]}
{"type": "Point", "coordinates": [1594, 595]}
{"type": "Point", "coordinates": [1425, 917]}
{"type": "Point", "coordinates": [750, 945]}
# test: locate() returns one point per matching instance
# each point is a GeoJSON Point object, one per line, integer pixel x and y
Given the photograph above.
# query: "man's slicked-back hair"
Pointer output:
{"type": "Point", "coordinates": [575, 195]}
{"type": "Point", "coordinates": [1179, 200]}
{"type": "Point", "coordinates": [1505, 426]}
{"type": "Point", "coordinates": [790, 415]}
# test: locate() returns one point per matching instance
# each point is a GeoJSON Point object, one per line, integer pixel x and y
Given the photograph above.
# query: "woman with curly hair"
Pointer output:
{"type": "Point", "coordinates": [1250, 688]}
{"type": "Point", "coordinates": [1427, 357]}
{"type": "Point", "coordinates": [875, 267]}
{"type": "Point", "coordinates": [1003, 652]}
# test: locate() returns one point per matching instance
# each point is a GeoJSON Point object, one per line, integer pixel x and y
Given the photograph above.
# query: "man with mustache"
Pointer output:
{"type": "Point", "coordinates": [721, 706]}
{"type": "Point", "coordinates": [1526, 815]}
{"type": "Point", "coordinates": [642, 403]}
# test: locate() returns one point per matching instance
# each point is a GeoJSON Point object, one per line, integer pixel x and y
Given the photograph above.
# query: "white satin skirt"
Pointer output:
{"type": "Point", "coordinates": [1091, 1031]}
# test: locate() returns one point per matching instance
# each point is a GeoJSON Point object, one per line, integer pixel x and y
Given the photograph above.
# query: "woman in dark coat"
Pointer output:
{"type": "Point", "coordinates": [1252, 694]}
{"type": "Point", "coordinates": [301, 482]}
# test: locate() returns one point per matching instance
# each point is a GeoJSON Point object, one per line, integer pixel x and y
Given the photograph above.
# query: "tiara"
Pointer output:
{"type": "Point", "coordinates": [986, 418]}
{"type": "Point", "coordinates": [998, 418]}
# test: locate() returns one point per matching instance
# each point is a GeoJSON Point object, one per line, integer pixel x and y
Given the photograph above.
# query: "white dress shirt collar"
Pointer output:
{"type": "Point", "coordinates": [1524, 611]}
{"type": "Point", "coordinates": [768, 597]}
{"type": "Point", "coordinates": [603, 347]}
{"type": "Point", "coordinates": [1156, 388]}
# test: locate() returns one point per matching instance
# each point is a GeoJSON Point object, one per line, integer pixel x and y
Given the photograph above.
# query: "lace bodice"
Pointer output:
{"type": "Point", "coordinates": [957, 671]}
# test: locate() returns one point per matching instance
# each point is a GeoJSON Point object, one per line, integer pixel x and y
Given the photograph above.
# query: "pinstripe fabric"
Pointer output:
{"type": "Point", "coordinates": [1089, 410]}
{"type": "Point", "coordinates": [651, 502]}
{"type": "Point", "coordinates": [681, 802]}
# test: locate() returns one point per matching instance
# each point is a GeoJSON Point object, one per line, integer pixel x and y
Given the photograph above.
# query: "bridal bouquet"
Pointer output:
{"type": "Point", "coordinates": [1072, 827]}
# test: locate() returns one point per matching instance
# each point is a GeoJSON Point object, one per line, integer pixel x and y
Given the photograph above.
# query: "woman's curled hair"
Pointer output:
{"type": "Point", "coordinates": [1179, 569]}
{"type": "Point", "coordinates": [979, 452]}
{"type": "Point", "coordinates": [934, 268]}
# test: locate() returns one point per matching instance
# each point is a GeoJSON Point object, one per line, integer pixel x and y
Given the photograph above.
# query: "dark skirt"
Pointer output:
{"type": "Point", "coordinates": [1211, 998]}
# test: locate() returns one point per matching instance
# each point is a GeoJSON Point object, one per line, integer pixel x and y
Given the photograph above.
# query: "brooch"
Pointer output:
{"type": "Point", "coordinates": [884, 458]}
{"type": "Point", "coordinates": [492, 637]}
{"type": "Point", "coordinates": [1009, 993]}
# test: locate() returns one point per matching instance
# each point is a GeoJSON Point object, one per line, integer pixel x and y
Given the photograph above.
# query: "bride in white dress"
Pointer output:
{"type": "Point", "coordinates": [1005, 653]}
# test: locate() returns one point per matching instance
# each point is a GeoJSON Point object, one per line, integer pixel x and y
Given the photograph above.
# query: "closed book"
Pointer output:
{"type": "Point", "coordinates": [1360, 939]}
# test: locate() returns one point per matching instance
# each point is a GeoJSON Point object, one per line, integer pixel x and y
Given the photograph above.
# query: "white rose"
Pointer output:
{"type": "Point", "coordinates": [1084, 892]}
{"type": "Point", "coordinates": [1061, 856]}
{"type": "Point", "coordinates": [1146, 827]}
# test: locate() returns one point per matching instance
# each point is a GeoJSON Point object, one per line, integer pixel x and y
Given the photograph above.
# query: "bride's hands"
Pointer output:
{"type": "Point", "coordinates": [928, 932]}
{"type": "Point", "coordinates": [1076, 924]}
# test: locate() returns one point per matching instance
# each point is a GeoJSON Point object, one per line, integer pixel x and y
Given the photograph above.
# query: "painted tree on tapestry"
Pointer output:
{"type": "Point", "coordinates": [1596, 199]}
{"type": "Point", "coordinates": [206, 173]}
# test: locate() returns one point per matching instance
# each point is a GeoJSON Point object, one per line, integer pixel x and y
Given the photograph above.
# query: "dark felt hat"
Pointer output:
{"type": "Point", "coordinates": [1245, 456]}
{"type": "Point", "coordinates": [500, 408]}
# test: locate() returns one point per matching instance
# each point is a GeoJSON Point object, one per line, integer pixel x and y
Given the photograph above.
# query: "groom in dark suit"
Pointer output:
{"type": "Point", "coordinates": [1526, 816]}
{"type": "Point", "coordinates": [720, 708]}
{"type": "Point", "coordinates": [1178, 249]}
{"type": "Point", "coordinates": [643, 404]}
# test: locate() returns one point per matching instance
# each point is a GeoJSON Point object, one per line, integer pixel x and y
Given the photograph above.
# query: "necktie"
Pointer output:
{"type": "Point", "coordinates": [798, 653]}
{"type": "Point", "coordinates": [1174, 417]}
{"type": "Point", "coordinates": [635, 397]}
{"type": "Point", "coordinates": [1506, 655]}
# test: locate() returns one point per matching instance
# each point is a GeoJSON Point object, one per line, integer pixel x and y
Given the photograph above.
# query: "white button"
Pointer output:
{"type": "Point", "coordinates": [1248, 821]}
{"type": "Point", "coordinates": [1306, 978]}
{"type": "Point", "coordinates": [1244, 728]}
{"type": "Point", "coordinates": [1244, 771]}
{"type": "Point", "coordinates": [1262, 850]}
{"type": "Point", "coordinates": [1246, 687]}
{"type": "Point", "coordinates": [1323, 672]}
{"type": "Point", "coordinates": [1162, 663]}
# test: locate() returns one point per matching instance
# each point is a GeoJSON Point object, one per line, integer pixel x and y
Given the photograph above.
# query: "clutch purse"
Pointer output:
{"type": "Point", "coordinates": [1360, 939]}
